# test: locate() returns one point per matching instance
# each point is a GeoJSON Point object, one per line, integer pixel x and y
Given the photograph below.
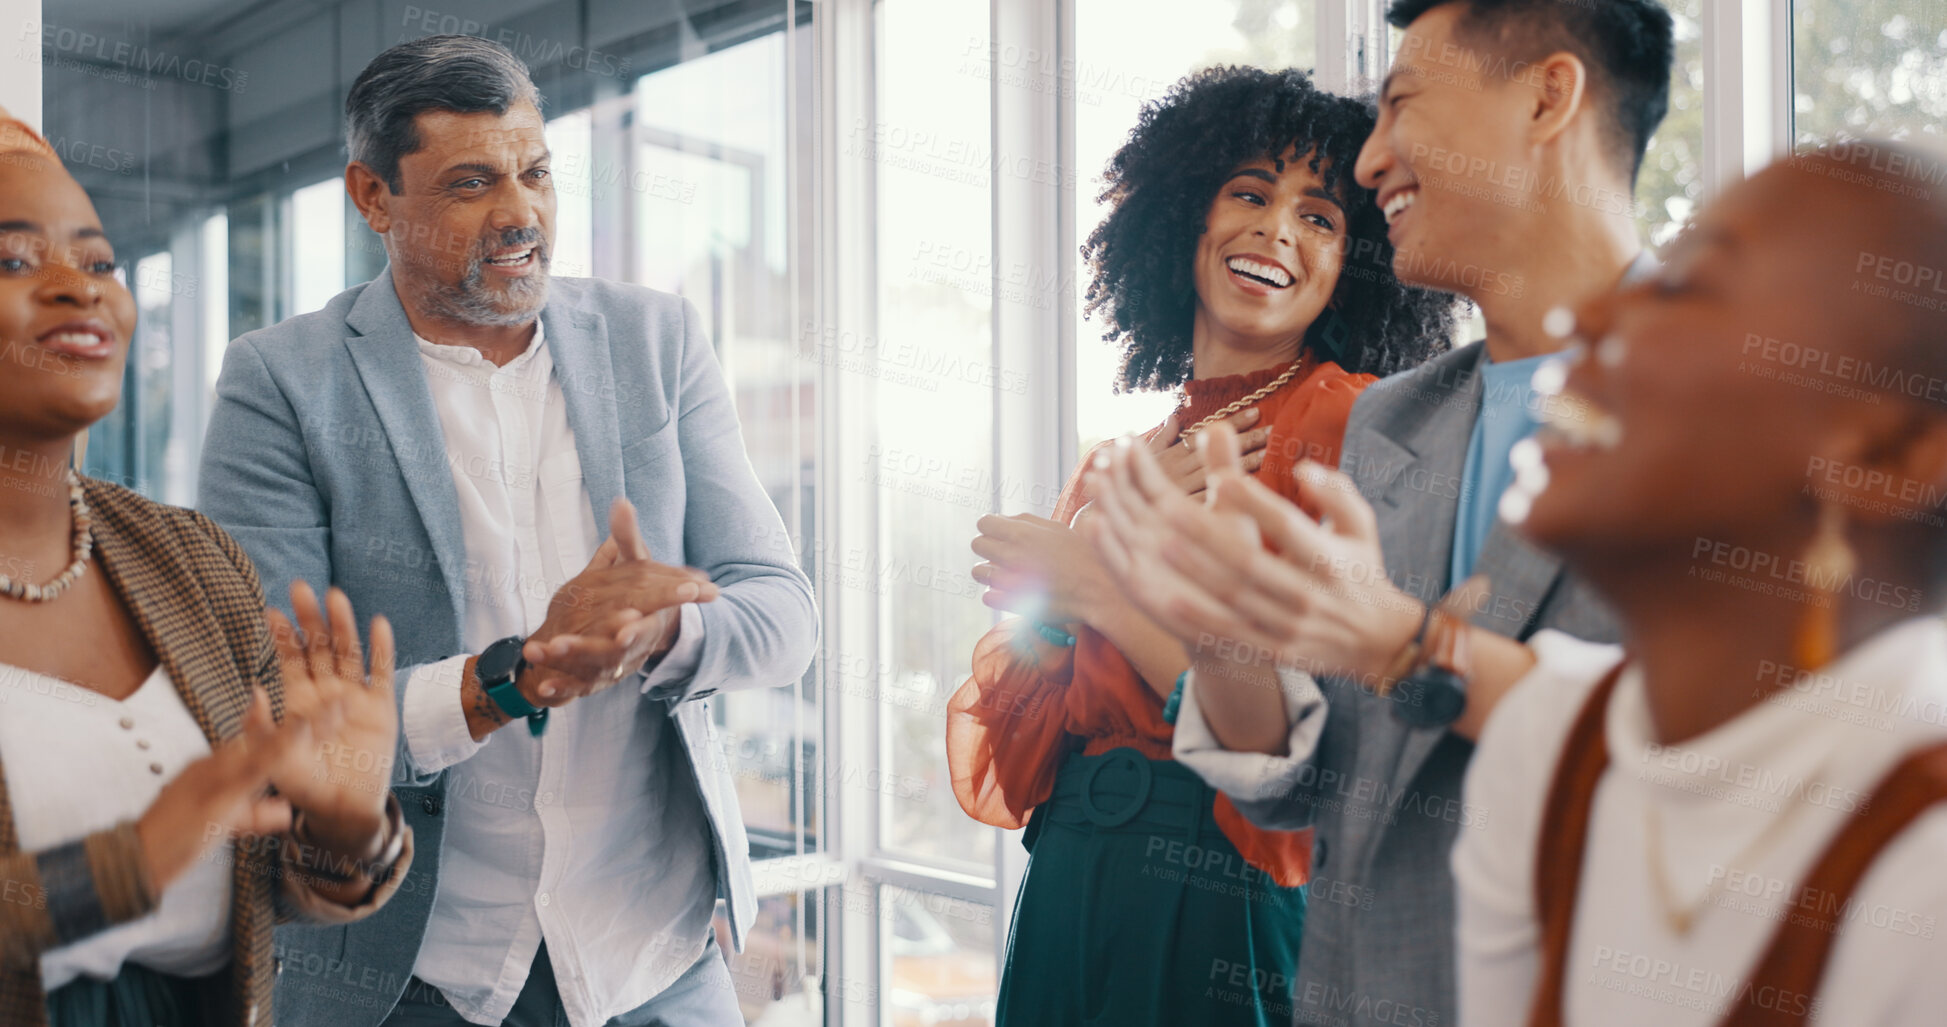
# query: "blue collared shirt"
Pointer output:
{"type": "Point", "coordinates": [1509, 413]}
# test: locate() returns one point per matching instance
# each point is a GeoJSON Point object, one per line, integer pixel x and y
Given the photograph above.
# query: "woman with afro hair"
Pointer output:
{"type": "Point", "coordinates": [1242, 264]}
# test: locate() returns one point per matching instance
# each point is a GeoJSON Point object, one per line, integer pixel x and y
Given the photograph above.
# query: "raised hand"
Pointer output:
{"type": "Point", "coordinates": [221, 795]}
{"type": "Point", "coordinates": [622, 610]}
{"type": "Point", "coordinates": [340, 780]}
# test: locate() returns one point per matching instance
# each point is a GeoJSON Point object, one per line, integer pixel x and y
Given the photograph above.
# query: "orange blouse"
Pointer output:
{"type": "Point", "coordinates": [1010, 724]}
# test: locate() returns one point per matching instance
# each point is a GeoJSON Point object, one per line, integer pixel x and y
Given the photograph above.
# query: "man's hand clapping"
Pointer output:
{"type": "Point", "coordinates": [619, 612]}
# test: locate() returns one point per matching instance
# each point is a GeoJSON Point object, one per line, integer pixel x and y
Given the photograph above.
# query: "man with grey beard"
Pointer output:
{"type": "Point", "coordinates": [441, 443]}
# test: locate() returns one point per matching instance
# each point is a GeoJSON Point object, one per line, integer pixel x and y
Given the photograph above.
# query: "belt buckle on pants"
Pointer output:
{"type": "Point", "coordinates": [1119, 757]}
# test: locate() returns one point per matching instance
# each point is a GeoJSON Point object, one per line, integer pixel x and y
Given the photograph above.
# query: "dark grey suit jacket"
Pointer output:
{"type": "Point", "coordinates": [1385, 799]}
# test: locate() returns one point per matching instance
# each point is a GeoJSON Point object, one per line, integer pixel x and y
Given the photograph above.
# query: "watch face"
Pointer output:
{"type": "Point", "coordinates": [499, 661]}
{"type": "Point", "coordinates": [1435, 697]}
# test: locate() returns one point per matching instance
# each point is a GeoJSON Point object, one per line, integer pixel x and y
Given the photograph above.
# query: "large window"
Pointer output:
{"type": "Point", "coordinates": [1671, 184]}
{"type": "Point", "coordinates": [927, 379]}
{"type": "Point", "coordinates": [705, 207]}
{"type": "Point", "coordinates": [929, 146]}
{"type": "Point", "coordinates": [1869, 68]}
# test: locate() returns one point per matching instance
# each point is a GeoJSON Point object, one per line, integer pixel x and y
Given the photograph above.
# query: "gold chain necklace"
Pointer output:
{"type": "Point", "coordinates": [1680, 917]}
{"type": "Point", "coordinates": [1230, 408]}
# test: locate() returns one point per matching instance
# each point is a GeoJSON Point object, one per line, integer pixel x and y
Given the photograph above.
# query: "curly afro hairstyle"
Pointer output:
{"type": "Point", "coordinates": [1161, 183]}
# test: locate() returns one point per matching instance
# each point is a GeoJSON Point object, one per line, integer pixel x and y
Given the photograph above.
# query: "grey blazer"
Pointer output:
{"type": "Point", "coordinates": [1385, 799]}
{"type": "Point", "coordinates": [325, 459]}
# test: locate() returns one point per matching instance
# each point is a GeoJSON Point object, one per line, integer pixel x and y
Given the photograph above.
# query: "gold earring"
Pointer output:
{"type": "Point", "coordinates": [1829, 563]}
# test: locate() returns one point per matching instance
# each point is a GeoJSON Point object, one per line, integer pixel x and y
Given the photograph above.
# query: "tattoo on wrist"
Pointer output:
{"type": "Point", "coordinates": [487, 709]}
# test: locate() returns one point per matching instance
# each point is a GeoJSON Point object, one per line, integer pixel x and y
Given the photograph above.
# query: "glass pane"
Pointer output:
{"type": "Point", "coordinates": [317, 244]}
{"type": "Point", "coordinates": [1671, 183]}
{"type": "Point", "coordinates": [933, 463]}
{"type": "Point", "coordinates": [215, 288]}
{"type": "Point", "coordinates": [778, 973]}
{"type": "Point", "coordinates": [939, 958]}
{"type": "Point", "coordinates": [569, 146]}
{"type": "Point", "coordinates": [708, 189]}
{"type": "Point", "coordinates": [160, 452]}
{"type": "Point", "coordinates": [1117, 45]}
{"type": "Point", "coordinates": [252, 263]}
{"type": "Point", "coordinates": [1869, 68]}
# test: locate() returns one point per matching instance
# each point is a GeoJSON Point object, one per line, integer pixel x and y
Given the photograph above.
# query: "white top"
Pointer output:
{"type": "Point", "coordinates": [1253, 776]}
{"type": "Point", "coordinates": [1744, 811]}
{"type": "Point", "coordinates": [579, 837]}
{"type": "Point", "coordinates": [79, 762]}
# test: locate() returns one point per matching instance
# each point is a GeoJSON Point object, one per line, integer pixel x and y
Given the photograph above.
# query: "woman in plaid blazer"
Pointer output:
{"type": "Point", "coordinates": [259, 782]}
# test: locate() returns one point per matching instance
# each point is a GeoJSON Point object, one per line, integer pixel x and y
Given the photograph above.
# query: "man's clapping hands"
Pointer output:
{"type": "Point", "coordinates": [604, 624]}
{"type": "Point", "coordinates": [620, 611]}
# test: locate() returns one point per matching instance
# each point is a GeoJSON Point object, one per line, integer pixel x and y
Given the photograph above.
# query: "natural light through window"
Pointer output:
{"type": "Point", "coordinates": [318, 262]}
{"type": "Point", "coordinates": [1123, 61]}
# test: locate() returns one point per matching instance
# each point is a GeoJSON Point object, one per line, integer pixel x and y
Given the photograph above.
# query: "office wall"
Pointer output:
{"type": "Point", "coordinates": [20, 86]}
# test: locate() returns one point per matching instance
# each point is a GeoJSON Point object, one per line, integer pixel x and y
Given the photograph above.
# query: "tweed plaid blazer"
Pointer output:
{"type": "Point", "coordinates": [197, 600]}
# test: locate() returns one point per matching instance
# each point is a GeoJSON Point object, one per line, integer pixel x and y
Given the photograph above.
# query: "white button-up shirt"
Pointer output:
{"type": "Point", "coordinates": [582, 837]}
{"type": "Point", "coordinates": [1743, 812]}
{"type": "Point", "coordinates": [79, 762]}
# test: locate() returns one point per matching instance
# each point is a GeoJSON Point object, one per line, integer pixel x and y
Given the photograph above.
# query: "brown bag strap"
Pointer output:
{"type": "Point", "coordinates": [1564, 837]}
{"type": "Point", "coordinates": [1781, 987]}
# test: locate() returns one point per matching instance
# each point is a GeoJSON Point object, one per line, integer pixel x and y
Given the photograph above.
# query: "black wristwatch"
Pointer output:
{"type": "Point", "coordinates": [498, 669]}
{"type": "Point", "coordinates": [1435, 696]}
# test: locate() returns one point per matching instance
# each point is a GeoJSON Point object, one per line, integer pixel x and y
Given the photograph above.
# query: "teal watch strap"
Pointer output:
{"type": "Point", "coordinates": [508, 697]}
{"type": "Point", "coordinates": [497, 669]}
{"type": "Point", "coordinates": [1175, 701]}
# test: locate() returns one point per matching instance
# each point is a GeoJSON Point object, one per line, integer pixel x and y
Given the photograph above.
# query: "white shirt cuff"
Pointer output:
{"type": "Point", "coordinates": [679, 661]}
{"type": "Point", "coordinates": [432, 720]}
{"type": "Point", "coordinates": [1253, 776]}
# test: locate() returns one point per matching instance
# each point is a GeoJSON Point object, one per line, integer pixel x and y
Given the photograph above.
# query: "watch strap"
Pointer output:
{"type": "Point", "coordinates": [505, 690]}
{"type": "Point", "coordinates": [507, 695]}
{"type": "Point", "coordinates": [1433, 694]}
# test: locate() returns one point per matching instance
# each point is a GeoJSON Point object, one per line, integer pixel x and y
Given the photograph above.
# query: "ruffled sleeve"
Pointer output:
{"type": "Point", "coordinates": [1006, 730]}
{"type": "Point", "coordinates": [1006, 727]}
